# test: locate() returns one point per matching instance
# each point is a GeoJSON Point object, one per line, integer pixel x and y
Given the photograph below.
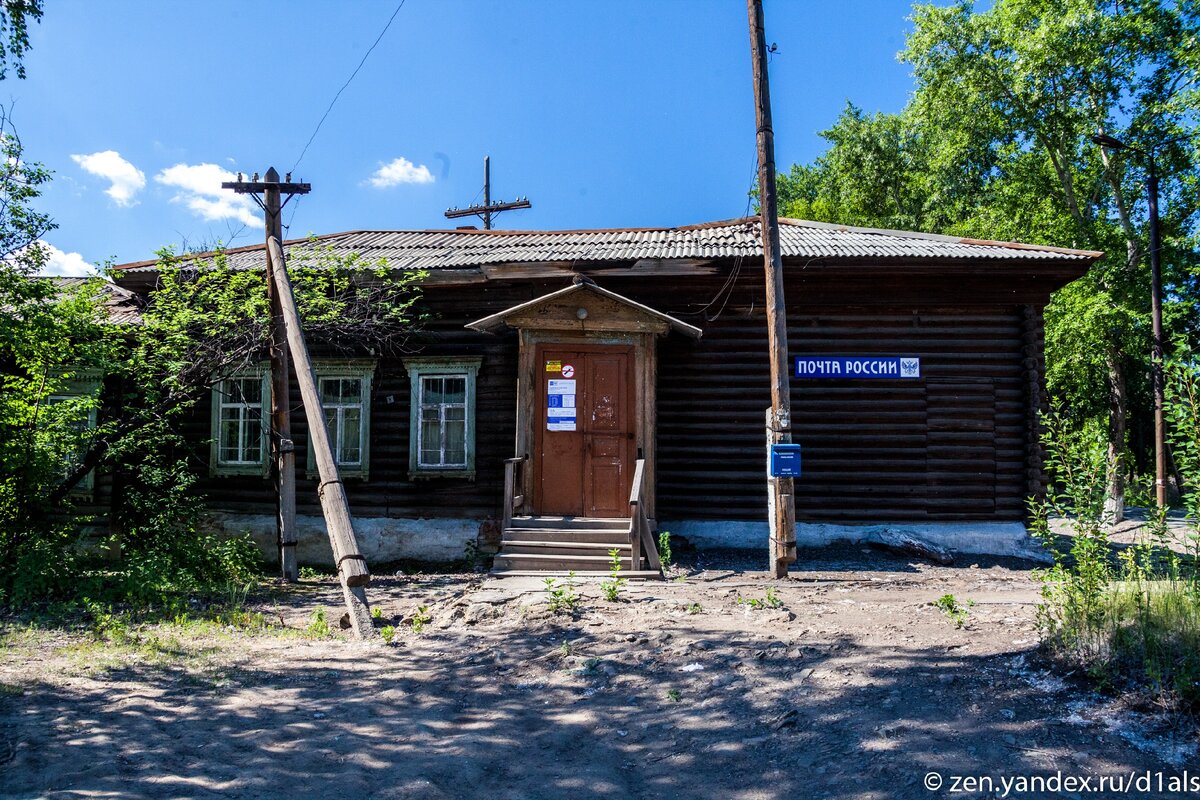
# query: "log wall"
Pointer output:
{"type": "Point", "coordinates": [958, 444]}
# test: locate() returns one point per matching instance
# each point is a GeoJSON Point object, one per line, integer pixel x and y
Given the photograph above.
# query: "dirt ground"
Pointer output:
{"type": "Point", "coordinates": [857, 687]}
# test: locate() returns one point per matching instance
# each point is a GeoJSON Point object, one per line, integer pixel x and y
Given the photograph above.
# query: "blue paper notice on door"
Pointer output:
{"type": "Point", "coordinates": [560, 405]}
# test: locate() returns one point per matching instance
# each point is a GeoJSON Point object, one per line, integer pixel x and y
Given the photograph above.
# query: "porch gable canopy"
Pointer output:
{"type": "Point", "coordinates": [584, 306]}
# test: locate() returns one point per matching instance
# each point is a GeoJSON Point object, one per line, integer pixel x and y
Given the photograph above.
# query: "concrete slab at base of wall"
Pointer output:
{"type": "Point", "coordinates": [381, 539]}
{"type": "Point", "coordinates": [983, 538]}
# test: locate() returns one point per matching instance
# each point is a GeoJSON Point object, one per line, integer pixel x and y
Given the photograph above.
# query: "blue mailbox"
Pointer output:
{"type": "Point", "coordinates": [785, 461]}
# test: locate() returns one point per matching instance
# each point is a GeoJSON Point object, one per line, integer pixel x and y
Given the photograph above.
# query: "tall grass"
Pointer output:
{"type": "Point", "coordinates": [1128, 617]}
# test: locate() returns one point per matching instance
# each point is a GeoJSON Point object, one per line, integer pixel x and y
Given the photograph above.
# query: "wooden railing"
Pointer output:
{"type": "Point", "coordinates": [514, 487]}
{"type": "Point", "coordinates": [640, 539]}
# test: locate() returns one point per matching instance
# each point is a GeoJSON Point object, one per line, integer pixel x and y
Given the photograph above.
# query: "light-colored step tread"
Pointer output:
{"type": "Point", "coordinates": [535, 529]}
{"type": "Point", "coordinates": [602, 546]}
{"type": "Point", "coordinates": [550, 557]}
{"type": "Point", "coordinates": [644, 574]}
{"type": "Point", "coordinates": [603, 523]}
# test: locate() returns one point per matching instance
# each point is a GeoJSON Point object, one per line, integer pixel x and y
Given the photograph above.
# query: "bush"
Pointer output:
{"type": "Point", "coordinates": [1131, 620]}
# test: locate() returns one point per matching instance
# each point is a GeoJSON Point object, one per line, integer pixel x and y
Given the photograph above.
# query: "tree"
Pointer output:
{"type": "Point", "coordinates": [15, 16]}
{"type": "Point", "coordinates": [995, 144]}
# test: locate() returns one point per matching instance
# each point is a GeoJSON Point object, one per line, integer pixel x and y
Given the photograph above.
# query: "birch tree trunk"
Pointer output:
{"type": "Point", "coordinates": [1114, 500]}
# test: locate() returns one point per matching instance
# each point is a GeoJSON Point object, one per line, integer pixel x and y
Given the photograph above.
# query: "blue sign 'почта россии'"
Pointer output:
{"type": "Point", "coordinates": [893, 367]}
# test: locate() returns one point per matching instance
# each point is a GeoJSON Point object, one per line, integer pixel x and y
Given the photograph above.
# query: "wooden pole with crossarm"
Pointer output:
{"type": "Point", "coordinates": [283, 450]}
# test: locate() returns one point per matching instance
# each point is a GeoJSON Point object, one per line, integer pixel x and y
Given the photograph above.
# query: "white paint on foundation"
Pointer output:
{"type": "Point", "coordinates": [381, 539]}
{"type": "Point", "coordinates": [983, 538]}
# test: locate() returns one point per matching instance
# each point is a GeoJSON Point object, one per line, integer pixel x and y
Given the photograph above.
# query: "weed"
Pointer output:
{"type": "Point", "coordinates": [564, 649]}
{"type": "Point", "coordinates": [376, 613]}
{"type": "Point", "coordinates": [388, 632]}
{"type": "Point", "coordinates": [310, 574]}
{"type": "Point", "coordinates": [769, 600]}
{"type": "Point", "coordinates": [613, 586]}
{"type": "Point", "coordinates": [674, 695]}
{"type": "Point", "coordinates": [318, 626]}
{"type": "Point", "coordinates": [562, 598]}
{"type": "Point", "coordinates": [420, 619]}
{"type": "Point", "coordinates": [695, 608]}
{"type": "Point", "coordinates": [664, 548]}
{"type": "Point", "coordinates": [955, 611]}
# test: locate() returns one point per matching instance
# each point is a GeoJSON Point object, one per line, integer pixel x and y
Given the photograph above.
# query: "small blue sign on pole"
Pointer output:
{"type": "Point", "coordinates": [857, 367]}
{"type": "Point", "coordinates": [785, 461]}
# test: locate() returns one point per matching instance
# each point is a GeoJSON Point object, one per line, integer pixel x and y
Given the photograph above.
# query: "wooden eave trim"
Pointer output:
{"type": "Point", "coordinates": [495, 322]}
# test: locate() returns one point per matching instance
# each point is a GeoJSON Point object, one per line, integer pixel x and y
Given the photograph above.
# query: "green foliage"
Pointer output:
{"type": "Point", "coordinates": [695, 608]}
{"type": "Point", "coordinates": [204, 322]}
{"type": "Point", "coordinates": [769, 600]}
{"type": "Point", "coordinates": [561, 598]}
{"type": "Point", "coordinates": [388, 632]}
{"type": "Point", "coordinates": [377, 613]}
{"type": "Point", "coordinates": [318, 626]}
{"type": "Point", "coordinates": [664, 548]}
{"type": "Point", "coordinates": [15, 16]}
{"type": "Point", "coordinates": [955, 611]}
{"type": "Point", "coordinates": [674, 695]}
{"type": "Point", "coordinates": [1130, 618]}
{"type": "Point", "coordinates": [420, 619]}
{"type": "Point", "coordinates": [615, 583]}
{"type": "Point", "coordinates": [995, 144]}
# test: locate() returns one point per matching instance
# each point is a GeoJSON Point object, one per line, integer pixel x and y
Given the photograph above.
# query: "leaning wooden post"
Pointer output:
{"type": "Point", "coordinates": [351, 566]}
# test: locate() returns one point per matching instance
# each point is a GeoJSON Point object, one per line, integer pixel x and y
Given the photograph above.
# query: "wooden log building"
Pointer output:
{"type": "Point", "coordinates": [556, 363]}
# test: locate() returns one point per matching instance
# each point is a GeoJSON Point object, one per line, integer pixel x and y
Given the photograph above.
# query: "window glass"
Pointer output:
{"type": "Point", "coordinates": [238, 417]}
{"type": "Point", "coordinates": [442, 415]}
{"type": "Point", "coordinates": [342, 399]}
{"type": "Point", "coordinates": [443, 428]}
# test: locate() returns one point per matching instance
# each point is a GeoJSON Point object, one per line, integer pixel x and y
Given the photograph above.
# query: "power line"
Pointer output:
{"type": "Point", "coordinates": [347, 83]}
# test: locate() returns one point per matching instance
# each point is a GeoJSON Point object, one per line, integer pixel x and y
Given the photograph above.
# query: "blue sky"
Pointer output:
{"type": "Point", "coordinates": [604, 114]}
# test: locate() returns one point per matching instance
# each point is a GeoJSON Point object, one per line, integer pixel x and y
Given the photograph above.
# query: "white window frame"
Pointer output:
{"type": "Point", "coordinates": [434, 367]}
{"type": "Point", "coordinates": [220, 467]}
{"type": "Point", "coordinates": [75, 385]}
{"type": "Point", "coordinates": [364, 372]}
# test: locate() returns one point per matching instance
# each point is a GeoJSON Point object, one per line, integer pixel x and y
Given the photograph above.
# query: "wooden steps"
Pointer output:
{"type": "Point", "coordinates": [558, 545]}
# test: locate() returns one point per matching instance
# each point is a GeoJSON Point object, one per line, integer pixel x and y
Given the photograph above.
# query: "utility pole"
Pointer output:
{"type": "Point", "coordinates": [781, 509]}
{"type": "Point", "coordinates": [488, 208]}
{"type": "Point", "coordinates": [283, 449]}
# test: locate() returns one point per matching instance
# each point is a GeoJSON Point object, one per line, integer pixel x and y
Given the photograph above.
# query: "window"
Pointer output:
{"type": "Point", "coordinates": [345, 390]}
{"type": "Point", "coordinates": [442, 416]}
{"type": "Point", "coordinates": [79, 392]}
{"type": "Point", "coordinates": [241, 406]}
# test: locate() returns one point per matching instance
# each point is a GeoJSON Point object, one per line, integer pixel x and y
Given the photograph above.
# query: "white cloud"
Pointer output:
{"type": "Point", "coordinates": [200, 190]}
{"type": "Point", "coordinates": [63, 264]}
{"type": "Point", "coordinates": [126, 179]}
{"type": "Point", "coordinates": [400, 170]}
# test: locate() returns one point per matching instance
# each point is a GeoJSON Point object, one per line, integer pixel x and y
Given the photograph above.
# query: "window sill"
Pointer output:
{"type": "Point", "coordinates": [344, 474]}
{"type": "Point", "coordinates": [426, 474]}
{"type": "Point", "coordinates": [230, 471]}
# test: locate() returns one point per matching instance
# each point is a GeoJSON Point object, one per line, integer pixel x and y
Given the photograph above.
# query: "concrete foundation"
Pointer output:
{"type": "Point", "coordinates": [384, 539]}
{"type": "Point", "coordinates": [983, 538]}
{"type": "Point", "coordinates": [381, 539]}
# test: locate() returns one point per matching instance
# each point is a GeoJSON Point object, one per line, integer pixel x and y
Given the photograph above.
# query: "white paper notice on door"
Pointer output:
{"type": "Point", "coordinates": [560, 405]}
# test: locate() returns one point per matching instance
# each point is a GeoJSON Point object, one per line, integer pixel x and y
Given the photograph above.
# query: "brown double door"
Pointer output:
{"type": "Point", "coordinates": [586, 445]}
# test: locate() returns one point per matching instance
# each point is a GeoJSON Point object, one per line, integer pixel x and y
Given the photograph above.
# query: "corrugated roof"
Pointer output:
{"type": "Point", "coordinates": [122, 305]}
{"type": "Point", "coordinates": [458, 249]}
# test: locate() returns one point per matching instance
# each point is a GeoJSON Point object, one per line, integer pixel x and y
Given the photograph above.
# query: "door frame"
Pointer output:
{"type": "Point", "coordinates": [642, 397]}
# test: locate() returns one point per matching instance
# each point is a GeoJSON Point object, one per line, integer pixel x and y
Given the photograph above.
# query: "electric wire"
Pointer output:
{"type": "Point", "coordinates": [347, 83]}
